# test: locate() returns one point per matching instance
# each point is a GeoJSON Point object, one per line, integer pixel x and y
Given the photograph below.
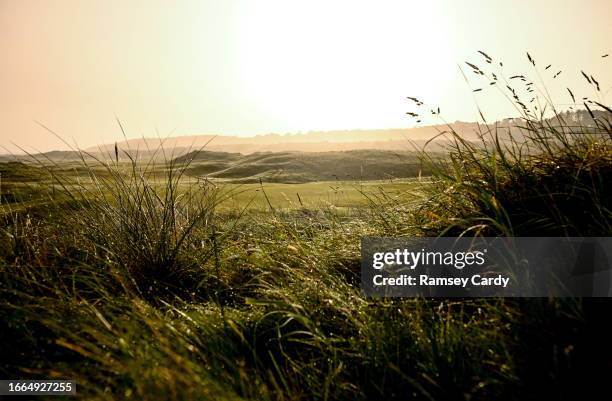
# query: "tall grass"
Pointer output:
{"type": "Point", "coordinates": [158, 229]}
{"type": "Point", "coordinates": [545, 172]}
{"type": "Point", "coordinates": [288, 323]}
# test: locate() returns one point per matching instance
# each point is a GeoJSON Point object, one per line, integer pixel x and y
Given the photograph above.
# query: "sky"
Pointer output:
{"type": "Point", "coordinates": [240, 67]}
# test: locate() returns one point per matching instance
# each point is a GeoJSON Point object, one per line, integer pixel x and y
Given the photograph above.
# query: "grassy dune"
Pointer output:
{"type": "Point", "coordinates": [299, 167]}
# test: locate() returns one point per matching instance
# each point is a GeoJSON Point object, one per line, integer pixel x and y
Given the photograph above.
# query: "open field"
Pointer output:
{"type": "Point", "coordinates": [317, 195]}
{"type": "Point", "coordinates": [342, 197]}
{"type": "Point", "coordinates": [26, 186]}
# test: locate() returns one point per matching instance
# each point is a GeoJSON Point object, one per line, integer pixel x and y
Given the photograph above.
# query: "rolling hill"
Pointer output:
{"type": "Point", "coordinates": [298, 167]}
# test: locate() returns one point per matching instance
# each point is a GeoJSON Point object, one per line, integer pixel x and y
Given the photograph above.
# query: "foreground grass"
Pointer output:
{"type": "Point", "coordinates": [261, 306]}
{"type": "Point", "coordinates": [277, 313]}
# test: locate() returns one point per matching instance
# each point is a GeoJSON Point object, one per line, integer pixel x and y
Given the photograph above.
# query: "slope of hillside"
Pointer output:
{"type": "Point", "coordinates": [296, 167]}
{"type": "Point", "coordinates": [343, 140]}
{"type": "Point", "coordinates": [313, 141]}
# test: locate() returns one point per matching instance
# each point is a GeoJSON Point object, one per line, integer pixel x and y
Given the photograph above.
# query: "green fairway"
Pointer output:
{"type": "Point", "coordinates": [314, 195]}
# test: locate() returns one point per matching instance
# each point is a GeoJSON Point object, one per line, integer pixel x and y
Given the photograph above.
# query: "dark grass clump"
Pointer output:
{"type": "Point", "coordinates": [537, 175]}
{"type": "Point", "coordinates": [159, 230]}
{"type": "Point", "coordinates": [141, 216]}
{"type": "Point", "coordinates": [561, 192]}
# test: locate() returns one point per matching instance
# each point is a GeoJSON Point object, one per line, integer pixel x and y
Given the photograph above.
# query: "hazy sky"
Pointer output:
{"type": "Point", "coordinates": [253, 67]}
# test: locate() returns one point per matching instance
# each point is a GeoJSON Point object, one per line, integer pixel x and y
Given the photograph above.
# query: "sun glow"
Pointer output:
{"type": "Point", "coordinates": [341, 64]}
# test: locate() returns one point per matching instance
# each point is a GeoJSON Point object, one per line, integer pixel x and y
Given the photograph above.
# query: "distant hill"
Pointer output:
{"type": "Point", "coordinates": [60, 156]}
{"type": "Point", "coordinates": [282, 167]}
{"type": "Point", "coordinates": [314, 141]}
{"type": "Point", "coordinates": [395, 139]}
{"type": "Point", "coordinates": [297, 167]}
{"type": "Point", "coordinates": [343, 140]}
